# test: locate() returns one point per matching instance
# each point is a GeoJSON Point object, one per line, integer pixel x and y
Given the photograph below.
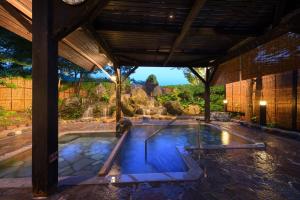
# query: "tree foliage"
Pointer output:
{"type": "Point", "coordinates": [192, 79]}
{"type": "Point", "coordinates": [151, 83]}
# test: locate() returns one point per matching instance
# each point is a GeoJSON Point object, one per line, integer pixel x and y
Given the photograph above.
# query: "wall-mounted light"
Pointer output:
{"type": "Point", "coordinates": [171, 16]}
{"type": "Point", "coordinates": [74, 2]}
{"type": "Point", "coordinates": [225, 101]}
{"type": "Point", "coordinates": [262, 103]}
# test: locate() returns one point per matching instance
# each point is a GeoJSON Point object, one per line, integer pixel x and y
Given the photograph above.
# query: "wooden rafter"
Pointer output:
{"type": "Point", "coordinates": [70, 44]}
{"type": "Point", "coordinates": [67, 20]}
{"type": "Point", "coordinates": [197, 75]}
{"type": "Point", "coordinates": [171, 29]}
{"type": "Point", "coordinates": [198, 5]}
{"type": "Point", "coordinates": [130, 72]}
{"type": "Point", "coordinates": [27, 21]}
{"type": "Point", "coordinates": [104, 47]}
{"type": "Point", "coordinates": [18, 16]}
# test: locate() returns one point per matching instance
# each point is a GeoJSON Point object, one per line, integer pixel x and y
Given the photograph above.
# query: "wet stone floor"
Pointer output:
{"type": "Point", "coordinates": [232, 174]}
{"type": "Point", "coordinates": [77, 156]}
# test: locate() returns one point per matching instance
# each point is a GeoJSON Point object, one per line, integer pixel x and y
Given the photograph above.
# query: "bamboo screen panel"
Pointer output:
{"type": "Point", "coordinates": [19, 97]}
{"type": "Point", "coordinates": [277, 91]}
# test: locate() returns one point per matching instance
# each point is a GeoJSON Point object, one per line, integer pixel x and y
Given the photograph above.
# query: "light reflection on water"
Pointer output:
{"type": "Point", "coordinates": [162, 155]}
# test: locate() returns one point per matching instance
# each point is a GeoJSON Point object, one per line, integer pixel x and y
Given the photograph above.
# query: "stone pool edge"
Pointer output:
{"type": "Point", "coordinates": [193, 173]}
{"type": "Point", "coordinates": [109, 161]}
{"type": "Point", "coordinates": [28, 147]}
{"type": "Point", "coordinates": [254, 145]}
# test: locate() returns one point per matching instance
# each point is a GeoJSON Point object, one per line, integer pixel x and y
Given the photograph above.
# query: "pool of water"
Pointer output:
{"type": "Point", "coordinates": [78, 155]}
{"type": "Point", "coordinates": [162, 155]}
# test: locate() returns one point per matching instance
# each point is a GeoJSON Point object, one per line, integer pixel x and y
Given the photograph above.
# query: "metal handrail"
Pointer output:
{"type": "Point", "coordinates": [156, 132]}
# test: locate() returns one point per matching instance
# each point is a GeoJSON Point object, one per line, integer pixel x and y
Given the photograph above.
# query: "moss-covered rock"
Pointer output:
{"type": "Point", "coordinates": [122, 126]}
{"type": "Point", "coordinates": [139, 96]}
{"type": "Point", "coordinates": [71, 108]}
{"type": "Point", "coordinates": [174, 108]}
{"type": "Point", "coordinates": [192, 110]}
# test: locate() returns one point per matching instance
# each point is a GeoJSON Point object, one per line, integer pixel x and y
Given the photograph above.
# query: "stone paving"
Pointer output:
{"type": "Point", "coordinates": [81, 156]}
{"type": "Point", "coordinates": [231, 174]}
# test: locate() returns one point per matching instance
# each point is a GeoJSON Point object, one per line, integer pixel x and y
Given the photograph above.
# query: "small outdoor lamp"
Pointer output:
{"type": "Point", "coordinates": [262, 112]}
{"type": "Point", "coordinates": [225, 105]}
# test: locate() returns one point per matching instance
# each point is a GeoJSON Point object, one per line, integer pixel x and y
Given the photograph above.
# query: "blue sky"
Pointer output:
{"type": "Point", "coordinates": [165, 76]}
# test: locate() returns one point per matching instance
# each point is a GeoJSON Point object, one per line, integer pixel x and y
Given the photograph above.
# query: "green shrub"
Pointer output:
{"type": "Point", "coordinates": [71, 108]}
{"type": "Point", "coordinates": [105, 98]}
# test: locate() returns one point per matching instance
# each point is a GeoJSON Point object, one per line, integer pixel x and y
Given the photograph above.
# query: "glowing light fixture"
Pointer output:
{"type": "Point", "coordinates": [262, 103]}
{"type": "Point", "coordinates": [211, 61]}
{"type": "Point", "coordinates": [171, 16]}
{"type": "Point", "coordinates": [113, 179]}
{"type": "Point", "coordinates": [74, 2]}
{"type": "Point", "coordinates": [225, 101]}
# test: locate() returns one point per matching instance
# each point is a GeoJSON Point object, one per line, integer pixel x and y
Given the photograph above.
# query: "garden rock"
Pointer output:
{"type": "Point", "coordinates": [174, 108]}
{"type": "Point", "coordinates": [220, 116]}
{"type": "Point", "coordinates": [192, 110]}
{"type": "Point", "coordinates": [139, 96]}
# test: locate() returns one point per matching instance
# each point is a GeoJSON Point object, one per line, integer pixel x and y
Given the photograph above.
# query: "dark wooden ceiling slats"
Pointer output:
{"type": "Point", "coordinates": [139, 25]}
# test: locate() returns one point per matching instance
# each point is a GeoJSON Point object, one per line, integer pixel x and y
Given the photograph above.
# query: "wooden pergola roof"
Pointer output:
{"type": "Point", "coordinates": [174, 33]}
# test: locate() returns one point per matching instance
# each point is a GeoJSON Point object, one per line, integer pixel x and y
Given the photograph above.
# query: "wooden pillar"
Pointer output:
{"type": "Point", "coordinates": [249, 99]}
{"type": "Point", "coordinates": [118, 94]}
{"type": "Point", "coordinates": [294, 99]}
{"type": "Point", "coordinates": [44, 101]}
{"type": "Point", "coordinates": [207, 98]}
{"type": "Point", "coordinates": [258, 95]}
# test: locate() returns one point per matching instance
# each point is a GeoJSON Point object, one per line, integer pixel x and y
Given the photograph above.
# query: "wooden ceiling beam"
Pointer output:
{"type": "Point", "coordinates": [78, 50]}
{"type": "Point", "coordinates": [102, 44]}
{"type": "Point", "coordinates": [18, 16]}
{"type": "Point", "coordinates": [197, 75]}
{"type": "Point", "coordinates": [198, 5]}
{"type": "Point", "coordinates": [66, 18]}
{"type": "Point", "coordinates": [165, 52]}
{"type": "Point", "coordinates": [171, 29]}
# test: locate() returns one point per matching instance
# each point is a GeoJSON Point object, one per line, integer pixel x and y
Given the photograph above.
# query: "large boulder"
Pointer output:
{"type": "Point", "coordinates": [122, 126]}
{"type": "Point", "coordinates": [157, 91]}
{"type": "Point", "coordinates": [192, 110]}
{"type": "Point", "coordinates": [71, 108]}
{"type": "Point", "coordinates": [220, 116]}
{"type": "Point", "coordinates": [127, 108]}
{"type": "Point", "coordinates": [139, 96]}
{"type": "Point", "coordinates": [174, 108]}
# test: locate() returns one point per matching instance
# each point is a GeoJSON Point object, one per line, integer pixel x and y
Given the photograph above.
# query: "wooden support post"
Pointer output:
{"type": "Point", "coordinates": [45, 101]}
{"type": "Point", "coordinates": [207, 97]}
{"type": "Point", "coordinates": [118, 94]}
{"type": "Point", "coordinates": [249, 99]}
{"type": "Point", "coordinates": [258, 95]}
{"type": "Point", "coordinates": [294, 100]}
